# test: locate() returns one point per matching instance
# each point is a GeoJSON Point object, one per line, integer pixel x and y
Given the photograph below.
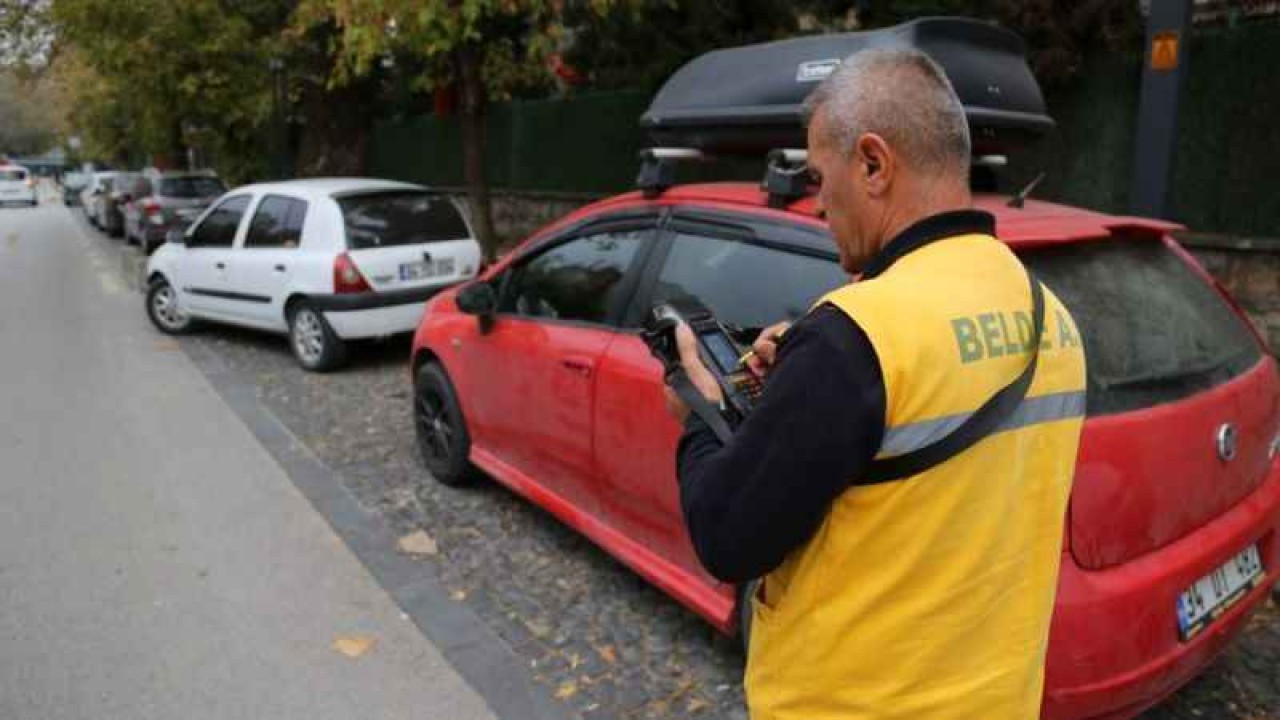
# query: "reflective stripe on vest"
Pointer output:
{"type": "Point", "coordinates": [1031, 411]}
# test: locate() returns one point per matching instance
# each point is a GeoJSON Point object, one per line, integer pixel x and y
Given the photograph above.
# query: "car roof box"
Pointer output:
{"type": "Point", "coordinates": [748, 100]}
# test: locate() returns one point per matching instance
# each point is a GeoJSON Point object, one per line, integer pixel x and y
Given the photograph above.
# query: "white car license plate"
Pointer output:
{"type": "Point", "coordinates": [425, 269]}
{"type": "Point", "coordinates": [1215, 593]}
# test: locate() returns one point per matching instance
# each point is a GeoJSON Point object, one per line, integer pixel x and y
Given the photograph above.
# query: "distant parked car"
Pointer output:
{"type": "Point", "coordinates": [94, 193]}
{"type": "Point", "coordinates": [164, 201]}
{"type": "Point", "coordinates": [324, 260]}
{"type": "Point", "coordinates": [17, 186]}
{"type": "Point", "coordinates": [72, 184]}
{"type": "Point", "coordinates": [111, 209]}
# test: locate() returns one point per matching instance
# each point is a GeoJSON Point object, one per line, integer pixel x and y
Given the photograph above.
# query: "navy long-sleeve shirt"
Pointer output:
{"type": "Point", "coordinates": [818, 424]}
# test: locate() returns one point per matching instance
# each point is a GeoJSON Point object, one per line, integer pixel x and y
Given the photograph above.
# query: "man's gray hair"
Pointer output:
{"type": "Point", "coordinates": [902, 95]}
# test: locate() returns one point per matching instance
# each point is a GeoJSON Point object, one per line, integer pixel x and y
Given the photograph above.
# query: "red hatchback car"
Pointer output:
{"type": "Point", "coordinates": [536, 375]}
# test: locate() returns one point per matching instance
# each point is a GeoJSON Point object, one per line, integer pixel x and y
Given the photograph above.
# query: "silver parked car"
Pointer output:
{"type": "Point", "coordinates": [110, 214]}
{"type": "Point", "coordinates": [164, 201]}
{"type": "Point", "coordinates": [94, 195]}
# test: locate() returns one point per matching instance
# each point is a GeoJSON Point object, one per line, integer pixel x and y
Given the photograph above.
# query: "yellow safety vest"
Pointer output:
{"type": "Point", "coordinates": [930, 597]}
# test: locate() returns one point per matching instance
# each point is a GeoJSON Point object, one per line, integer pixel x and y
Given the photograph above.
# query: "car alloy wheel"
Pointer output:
{"type": "Point", "coordinates": [442, 432]}
{"type": "Point", "coordinates": [433, 427]}
{"type": "Point", "coordinates": [314, 344]}
{"type": "Point", "coordinates": [164, 309]}
{"type": "Point", "coordinates": [308, 336]}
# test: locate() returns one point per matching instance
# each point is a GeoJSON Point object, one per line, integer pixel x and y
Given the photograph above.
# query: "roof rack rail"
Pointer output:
{"type": "Point", "coordinates": [658, 168]}
{"type": "Point", "coordinates": [786, 179]}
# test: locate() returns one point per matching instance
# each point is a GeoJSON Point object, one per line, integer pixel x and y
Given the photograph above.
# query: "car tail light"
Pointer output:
{"type": "Point", "coordinates": [347, 277]}
{"type": "Point", "coordinates": [31, 183]}
{"type": "Point", "coordinates": [150, 208]}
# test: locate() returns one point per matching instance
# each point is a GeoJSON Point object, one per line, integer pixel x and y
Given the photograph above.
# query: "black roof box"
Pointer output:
{"type": "Point", "coordinates": [748, 100]}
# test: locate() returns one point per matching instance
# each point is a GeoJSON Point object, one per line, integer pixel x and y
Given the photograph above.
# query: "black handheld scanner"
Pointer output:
{"type": "Point", "coordinates": [716, 347]}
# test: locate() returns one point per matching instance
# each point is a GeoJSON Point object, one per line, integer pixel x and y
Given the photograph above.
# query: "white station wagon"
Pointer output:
{"type": "Point", "coordinates": [324, 260]}
{"type": "Point", "coordinates": [17, 185]}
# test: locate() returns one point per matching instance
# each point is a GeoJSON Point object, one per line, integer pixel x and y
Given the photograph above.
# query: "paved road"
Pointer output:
{"type": "Point", "coordinates": [155, 561]}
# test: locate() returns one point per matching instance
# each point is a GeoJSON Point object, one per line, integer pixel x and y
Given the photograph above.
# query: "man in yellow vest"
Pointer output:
{"type": "Point", "coordinates": [901, 485]}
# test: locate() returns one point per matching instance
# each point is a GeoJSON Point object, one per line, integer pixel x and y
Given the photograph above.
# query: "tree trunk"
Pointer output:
{"type": "Point", "coordinates": [472, 93]}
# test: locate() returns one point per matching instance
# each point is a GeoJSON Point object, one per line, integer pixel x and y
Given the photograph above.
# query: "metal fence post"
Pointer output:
{"type": "Point", "coordinates": [1163, 68]}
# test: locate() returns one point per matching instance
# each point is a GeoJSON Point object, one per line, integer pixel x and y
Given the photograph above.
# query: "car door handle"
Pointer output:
{"type": "Point", "coordinates": [220, 266]}
{"type": "Point", "coordinates": [280, 268]}
{"type": "Point", "coordinates": [581, 366]}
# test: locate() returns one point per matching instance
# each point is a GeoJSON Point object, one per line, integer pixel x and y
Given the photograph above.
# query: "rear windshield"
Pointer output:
{"type": "Point", "coordinates": [1154, 331]}
{"type": "Point", "coordinates": [13, 174]}
{"type": "Point", "coordinates": [388, 219]}
{"type": "Point", "coordinates": [190, 187]}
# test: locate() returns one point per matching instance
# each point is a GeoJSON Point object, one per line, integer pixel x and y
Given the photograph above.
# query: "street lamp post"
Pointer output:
{"type": "Point", "coordinates": [276, 65]}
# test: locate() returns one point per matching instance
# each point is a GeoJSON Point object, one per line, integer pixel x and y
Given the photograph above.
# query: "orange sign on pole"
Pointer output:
{"type": "Point", "coordinates": [1164, 51]}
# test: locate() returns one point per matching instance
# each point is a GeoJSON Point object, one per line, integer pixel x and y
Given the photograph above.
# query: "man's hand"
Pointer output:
{"type": "Point", "coordinates": [764, 351]}
{"type": "Point", "coordinates": [698, 373]}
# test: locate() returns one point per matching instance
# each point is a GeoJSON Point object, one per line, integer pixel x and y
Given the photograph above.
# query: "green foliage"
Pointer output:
{"type": "Point", "coordinates": [24, 127]}
{"type": "Point", "coordinates": [159, 76]}
{"type": "Point", "coordinates": [639, 46]}
{"type": "Point", "coordinates": [513, 37]}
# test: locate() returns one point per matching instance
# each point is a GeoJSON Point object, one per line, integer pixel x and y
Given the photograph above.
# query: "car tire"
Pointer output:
{"type": "Point", "coordinates": [315, 345]}
{"type": "Point", "coordinates": [163, 310]}
{"type": "Point", "coordinates": [443, 442]}
{"type": "Point", "coordinates": [746, 591]}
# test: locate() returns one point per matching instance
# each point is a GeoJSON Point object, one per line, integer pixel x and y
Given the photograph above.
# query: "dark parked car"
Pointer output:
{"type": "Point", "coordinates": [163, 201]}
{"type": "Point", "coordinates": [111, 213]}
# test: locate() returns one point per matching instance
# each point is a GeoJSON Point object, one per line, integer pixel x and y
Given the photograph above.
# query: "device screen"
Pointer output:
{"type": "Point", "coordinates": [722, 351]}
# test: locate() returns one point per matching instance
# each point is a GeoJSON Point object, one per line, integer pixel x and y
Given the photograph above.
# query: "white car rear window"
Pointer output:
{"type": "Point", "coordinates": [388, 219]}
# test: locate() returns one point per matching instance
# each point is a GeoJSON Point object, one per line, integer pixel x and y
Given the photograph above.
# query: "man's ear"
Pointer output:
{"type": "Point", "coordinates": [879, 166]}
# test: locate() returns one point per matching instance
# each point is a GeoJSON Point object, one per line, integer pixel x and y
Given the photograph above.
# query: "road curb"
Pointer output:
{"type": "Point", "coordinates": [474, 650]}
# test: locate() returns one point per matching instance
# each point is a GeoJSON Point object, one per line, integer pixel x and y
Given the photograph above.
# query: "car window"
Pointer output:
{"type": "Point", "coordinates": [125, 183]}
{"type": "Point", "coordinates": [1153, 330]}
{"type": "Point", "coordinates": [577, 280]}
{"type": "Point", "coordinates": [277, 223]}
{"type": "Point", "coordinates": [13, 175]}
{"type": "Point", "coordinates": [218, 229]}
{"type": "Point", "coordinates": [747, 285]}
{"type": "Point", "coordinates": [387, 219]}
{"type": "Point", "coordinates": [190, 187]}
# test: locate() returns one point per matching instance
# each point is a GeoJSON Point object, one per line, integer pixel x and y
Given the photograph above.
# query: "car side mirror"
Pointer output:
{"type": "Point", "coordinates": [478, 298]}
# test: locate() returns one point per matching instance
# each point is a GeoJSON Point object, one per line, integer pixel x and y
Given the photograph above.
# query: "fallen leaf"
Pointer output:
{"type": "Point", "coordinates": [419, 543]}
{"type": "Point", "coordinates": [353, 646]}
{"type": "Point", "coordinates": [459, 595]}
{"type": "Point", "coordinates": [539, 628]}
{"type": "Point", "coordinates": [574, 661]}
{"type": "Point", "coordinates": [567, 690]}
{"type": "Point", "coordinates": [166, 344]}
{"type": "Point", "coordinates": [696, 705]}
{"type": "Point", "coordinates": [607, 654]}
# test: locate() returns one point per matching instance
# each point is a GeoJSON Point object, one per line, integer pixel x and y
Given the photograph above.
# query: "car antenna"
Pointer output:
{"type": "Point", "coordinates": [1017, 201]}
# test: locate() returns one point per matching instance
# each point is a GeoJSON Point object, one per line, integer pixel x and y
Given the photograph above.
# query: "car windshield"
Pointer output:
{"type": "Point", "coordinates": [75, 180]}
{"type": "Point", "coordinates": [1153, 329]}
{"type": "Point", "coordinates": [11, 174]}
{"type": "Point", "coordinates": [388, 219]}
{"type": "Point", "coordinates": [190, 187]}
